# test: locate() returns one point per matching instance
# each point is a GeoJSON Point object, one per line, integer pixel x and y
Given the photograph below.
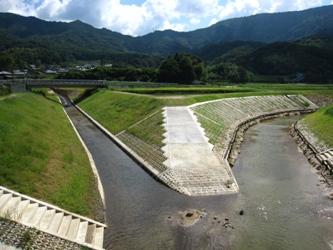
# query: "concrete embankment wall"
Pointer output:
{"type": "Point", "coordinates": [224, 122]}
{"type": "Point", "coordinates": [139, 160]}
{"type": "Point", "coordinates": [238, 134]}
{"type": "Point", "coordinates": [319, 160]}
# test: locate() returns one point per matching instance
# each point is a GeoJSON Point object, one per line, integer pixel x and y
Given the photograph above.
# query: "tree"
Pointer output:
{"type": "Point", "coordinates": [7, 62]}
{"type": "Point", "coordinates": [183, 68]}
{"type": "Point", "coordinates": [187, 74]}
{"type": "Point", "coordinates": [231, 72]}
{"type": "Point", "coordinates": [200, 71]}
{"type": "Point", "coordinates": [169, 70]}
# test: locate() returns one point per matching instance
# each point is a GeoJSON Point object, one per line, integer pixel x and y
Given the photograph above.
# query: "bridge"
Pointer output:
{"type": "Point", "coordinates": [24, 85]}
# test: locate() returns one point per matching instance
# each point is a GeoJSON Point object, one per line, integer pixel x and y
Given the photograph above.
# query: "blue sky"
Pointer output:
{"type": "Point", "coordinates": [139, 17]}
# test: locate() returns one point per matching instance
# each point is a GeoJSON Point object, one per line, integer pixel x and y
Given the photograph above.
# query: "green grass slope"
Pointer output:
{"type": "Point", "coordinates": [321, 124]}
{"type": "Point", "coordinates": [41, 156]}
{"type": "Point", "coordinates": [118, 111]}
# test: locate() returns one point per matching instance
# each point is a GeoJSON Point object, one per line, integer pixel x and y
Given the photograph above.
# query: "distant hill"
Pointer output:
{"type": "Point", "coordinates": [30, 39]}
{"type": "Point", "coordinates": [283, 58]}
{"type": "Point", "coordinates": [266, 28]}
{"type": "Point", "coordinates": [228, 51]}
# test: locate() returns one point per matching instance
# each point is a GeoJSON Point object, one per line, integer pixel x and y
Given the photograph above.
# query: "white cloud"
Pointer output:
{"type": "Point", "coordinates": [195, 20]}
{"type": "Point", "coordinates": [154, 15]}
{"type": "Point", "coordinates": [236, 8]}
{"type": "Point", "coordinates": [18, 7]}
{"type": "Point", "coordinates": [169, 26]}
{"type": "Point", "coordinates": [213, 21]}
{"type": "Point", "coordinates": [239, 7]}
{"type": "Point", "coordinates": [274, 7]}
{"type": "Point", "coordinates": [51, 8]}
{"type": "Point", "coordinates": [197, 7]}
{"type": "Point", "coordinates": [301, 4]}
{"type": "Point", "coordinates": [124, 18]}
{"type": "Point", "coordinates": [150, 15]}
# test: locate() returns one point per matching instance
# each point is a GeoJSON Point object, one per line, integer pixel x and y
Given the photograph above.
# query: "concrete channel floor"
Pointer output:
{"type": "Point", "coordinates": [187, 146]}
{"type": "Point", "coordinates": [190, 156]}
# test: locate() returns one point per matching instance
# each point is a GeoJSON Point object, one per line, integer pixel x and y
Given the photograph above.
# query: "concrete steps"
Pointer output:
{"type": "Point", "coordinates": [50, 219]}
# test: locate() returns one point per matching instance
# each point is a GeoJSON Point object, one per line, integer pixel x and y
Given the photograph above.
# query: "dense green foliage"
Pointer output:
{"type": "Point", "coordinates": [4, 91]}
{"type": "Point", "coordinates": [41, 155]}
{"type": "Point", "coordinates": [228, 51]}
{"type": "Point", "coordinates": [182, 68]}
{"type": "Point", "coordinates": [288, 58]}
{"type": "Point", "coordinates": [113, 74]}
{"type": "Point", "coordinates": [230, 72]}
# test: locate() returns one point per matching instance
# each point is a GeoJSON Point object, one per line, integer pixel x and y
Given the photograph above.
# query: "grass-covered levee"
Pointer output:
{"type": "Point", "coordinates": [42, 156]}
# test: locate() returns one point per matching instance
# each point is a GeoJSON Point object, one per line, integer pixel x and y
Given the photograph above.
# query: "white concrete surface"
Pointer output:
{"type": "Point", "coordinates": [195, 168]}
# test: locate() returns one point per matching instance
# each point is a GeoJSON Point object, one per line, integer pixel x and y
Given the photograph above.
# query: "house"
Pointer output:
{"type": "Point", "coordinates": [62, 70]}
{"type": "Point", "coordinates": [18, 72]}
{"type": "Point", "coordinates": [6, 75]}
{"type": "Point", "coordinates": [49, 71]}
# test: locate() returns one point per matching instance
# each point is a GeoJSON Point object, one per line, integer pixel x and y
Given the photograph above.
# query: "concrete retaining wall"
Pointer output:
{"type": "Point", "coordinates": [323, 166]}
{"type": "Point", "coordinates": [237, 137]}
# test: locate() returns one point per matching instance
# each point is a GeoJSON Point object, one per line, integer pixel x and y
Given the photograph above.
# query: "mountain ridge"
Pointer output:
{"type": "Point", "coordinates": [51, 42]}
{"type": "Point", "coordinates": [265, 27]}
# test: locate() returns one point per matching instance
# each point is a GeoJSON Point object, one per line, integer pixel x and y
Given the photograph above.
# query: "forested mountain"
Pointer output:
{"type": "Point", "coordinates": [266, 28]}
{"type": "Point", "coordinates": [282, 58]}
{"type": "Point", "coordinates": [228, 51]}
{"type": "Point", "coordinates": [280, 39]}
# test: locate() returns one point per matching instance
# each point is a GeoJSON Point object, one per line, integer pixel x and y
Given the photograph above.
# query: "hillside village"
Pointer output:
{"type": "Point", "coordinates": [44, 69]}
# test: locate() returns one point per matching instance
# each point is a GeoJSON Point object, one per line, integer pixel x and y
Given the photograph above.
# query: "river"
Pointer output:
{"type": "Point", "coordinates": [278, 194]}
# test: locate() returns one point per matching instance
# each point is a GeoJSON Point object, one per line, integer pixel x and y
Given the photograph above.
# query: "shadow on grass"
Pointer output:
{"type": "Point", "coordinates": [40, 92]}
{"type": "Point", "coordinates": [85, 95]}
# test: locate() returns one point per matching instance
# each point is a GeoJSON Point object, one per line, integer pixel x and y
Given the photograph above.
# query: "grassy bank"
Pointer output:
{"type": "Point", "coordinates": [118, 111]}
{"type": "Point", "coordinates": [321, 123]}
{"type": "Point", "coordinates": [41, 156]}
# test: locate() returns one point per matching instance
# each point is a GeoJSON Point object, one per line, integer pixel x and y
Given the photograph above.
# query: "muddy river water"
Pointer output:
{"type": "Point", "coordinates": [278, 195]}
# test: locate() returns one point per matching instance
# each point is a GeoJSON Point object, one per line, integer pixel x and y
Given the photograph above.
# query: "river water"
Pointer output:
{"type": "Point", "coordinates": [278, 194]}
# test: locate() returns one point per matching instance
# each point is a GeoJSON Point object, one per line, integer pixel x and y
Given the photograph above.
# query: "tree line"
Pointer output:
{"type": "Point", "coordinates": [182, 68]}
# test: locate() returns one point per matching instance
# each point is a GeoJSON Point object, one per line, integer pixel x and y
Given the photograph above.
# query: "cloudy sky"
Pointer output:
{"type": "Point", "coordinates": [139, 17]}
